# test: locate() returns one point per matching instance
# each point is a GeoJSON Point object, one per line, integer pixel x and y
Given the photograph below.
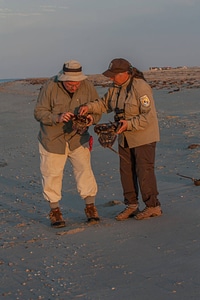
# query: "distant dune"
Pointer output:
{"type": "Point", "coordinates": [173, 80]}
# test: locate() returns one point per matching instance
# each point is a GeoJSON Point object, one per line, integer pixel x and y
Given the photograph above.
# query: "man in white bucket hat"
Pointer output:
{"type": "Point", "coordinates": [58, 102]}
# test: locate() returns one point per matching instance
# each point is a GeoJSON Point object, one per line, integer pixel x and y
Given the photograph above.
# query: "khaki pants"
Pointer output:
{"type": "Point", "coordinates": [52, 167]}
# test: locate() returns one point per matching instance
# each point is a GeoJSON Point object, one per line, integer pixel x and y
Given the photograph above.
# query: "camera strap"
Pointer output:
{"type": "Point", "coordinates": [118, 93]}
{"type": "Point", "coordinates": [128, 88]}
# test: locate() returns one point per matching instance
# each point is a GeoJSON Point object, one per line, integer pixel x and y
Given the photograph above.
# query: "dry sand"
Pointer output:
{"type": "Point", "coordinates": [151, 259]}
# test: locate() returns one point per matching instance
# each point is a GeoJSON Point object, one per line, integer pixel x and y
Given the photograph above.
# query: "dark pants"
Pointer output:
{"type": "Point", "coordinates": [137, 172]}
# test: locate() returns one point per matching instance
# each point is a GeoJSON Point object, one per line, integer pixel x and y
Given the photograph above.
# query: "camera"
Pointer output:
{"type": "Point", "coordinates": [119, 114]}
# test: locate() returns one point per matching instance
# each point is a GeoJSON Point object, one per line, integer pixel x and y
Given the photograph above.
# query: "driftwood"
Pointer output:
{"type": "Point", "coordinates": [196, 181]}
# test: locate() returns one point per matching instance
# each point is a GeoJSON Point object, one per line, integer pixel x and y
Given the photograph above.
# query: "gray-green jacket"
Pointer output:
{"type": "Point", "coordinates": [139, 111]}
{"type": "Point", "coordinates": [53, 100]}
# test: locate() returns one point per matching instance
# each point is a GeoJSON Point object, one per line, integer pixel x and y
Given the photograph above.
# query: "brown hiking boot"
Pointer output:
{"type": "Point", "coordinates": [128, 212]}
{"type": "Point", "coordinates": [56, 218]}
{"type": "Point", "coordinates": [149, 212]}
{"type": "Point", "coordinates": [91, 212]}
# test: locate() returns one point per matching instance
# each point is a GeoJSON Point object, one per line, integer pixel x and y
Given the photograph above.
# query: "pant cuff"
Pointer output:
{"type": "Point", "coordinates": [89, 200]}
{"type": "Point", "coordinates": [54, 204]}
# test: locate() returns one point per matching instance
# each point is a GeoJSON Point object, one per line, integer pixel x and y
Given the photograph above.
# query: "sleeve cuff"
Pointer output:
{"type": "Point", "coordinates": [55, 119]}
{"type": "Point", "coordinates": [129, 126]}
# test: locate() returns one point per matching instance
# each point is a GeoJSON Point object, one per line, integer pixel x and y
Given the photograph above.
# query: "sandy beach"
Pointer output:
{"type": "Point", "coordinates": [141, 260]}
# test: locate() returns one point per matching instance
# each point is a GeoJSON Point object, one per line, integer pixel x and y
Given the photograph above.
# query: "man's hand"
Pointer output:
{"type": "Point", "coordinates": [83, 110]}
{"type": "Point", "coordinates": [90, 120]}
{"type": "Point", "coordinates": [124, 125]}
{"type": "Point", "coordinates": [65, 117]}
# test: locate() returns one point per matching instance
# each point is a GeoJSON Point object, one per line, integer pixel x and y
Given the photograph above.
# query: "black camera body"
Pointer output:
{"type": "Point", "coordinates": [119, 114]}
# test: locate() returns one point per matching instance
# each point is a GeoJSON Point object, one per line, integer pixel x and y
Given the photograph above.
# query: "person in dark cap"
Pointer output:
{"type": "Point", "coordinates": [132, 101]}
{"type": "Point", "coordinates": [58, 102]}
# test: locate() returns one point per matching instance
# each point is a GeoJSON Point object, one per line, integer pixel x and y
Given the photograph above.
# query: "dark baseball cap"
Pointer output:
{"type": "Point", "coordinates": [117, 65]}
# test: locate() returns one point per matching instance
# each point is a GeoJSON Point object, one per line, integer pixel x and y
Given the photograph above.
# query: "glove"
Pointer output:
{"type": "Point", "coordinates": [107, 133]}
{"type": "Point", "coordinates": [80, 123]}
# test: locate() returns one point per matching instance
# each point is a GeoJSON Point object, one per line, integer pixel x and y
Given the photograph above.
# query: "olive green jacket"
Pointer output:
{"type": "Point", "coordinates": [53, 100]}
{"type": "Point", "coordinates": [139, 110]}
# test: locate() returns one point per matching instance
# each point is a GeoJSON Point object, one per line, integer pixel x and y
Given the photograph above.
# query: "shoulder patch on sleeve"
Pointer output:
{"type": "Point", "coordinates": [145, 101]}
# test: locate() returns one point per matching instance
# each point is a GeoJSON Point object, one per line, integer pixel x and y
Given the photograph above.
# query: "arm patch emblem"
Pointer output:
{"type": "Point", "coordinates": [145, 101]}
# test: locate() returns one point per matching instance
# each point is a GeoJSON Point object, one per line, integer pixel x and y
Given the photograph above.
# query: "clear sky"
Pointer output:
{"type": "Point", "coordinates": [38, 36]}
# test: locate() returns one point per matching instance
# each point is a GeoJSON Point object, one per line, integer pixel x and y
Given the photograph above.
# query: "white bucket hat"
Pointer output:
{"type": "Point", "coordinates": [72, 71]}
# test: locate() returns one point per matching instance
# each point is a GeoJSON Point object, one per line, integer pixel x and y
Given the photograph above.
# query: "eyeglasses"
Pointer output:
{"type": "Point", "coordinates": [72, 84]}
